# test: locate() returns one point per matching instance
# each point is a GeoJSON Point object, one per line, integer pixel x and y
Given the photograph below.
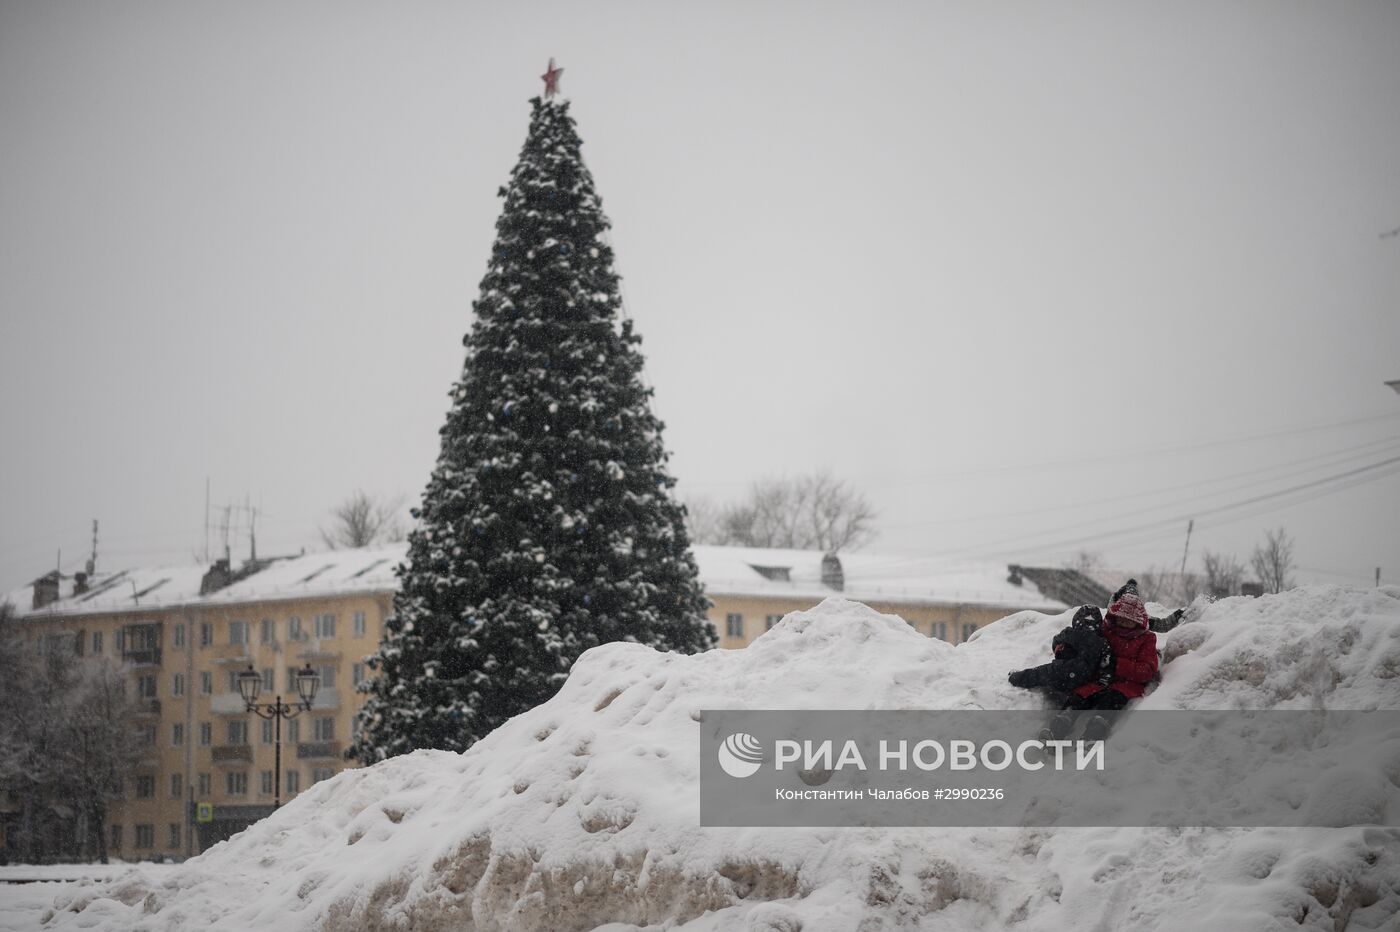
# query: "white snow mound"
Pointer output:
{"type": "Point", "coordinates": [583, 813]}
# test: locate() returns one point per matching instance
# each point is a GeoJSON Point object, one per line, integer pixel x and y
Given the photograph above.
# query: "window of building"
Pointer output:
{"type": "Point", "coordinates": [359, 623]}
{"type": "Point", "coordinates": [116, 839]}
{"type": "Point", "coordinates": [268, 633]}
{"type": "Point", "coordinates": [205, 784]}
{"type": "Point", "coordinates": [293, 731]}
{"type": "Point", "coordinates": [174, 835]}
{"type": "Point", "coordinates": [177, 734]}
{"type": "Point", "coordinates": [940, 630]}
{"type": "Point", "coordinates": [121, 640]}
{"type": "Point", "coordinates": [145, 786]}
{"type": "Point", "coordinates": [233, 680]}
{"type": "Point", "coordinates": [268, 679]}
{"type": "Point", "coordinates": [146, 686]}
{"type": "Point", "coordinates": [238, 632]}
{"type": "Point", "coordinates": [292, 680]}
{"type": "Point", "coordinates": [967, 631]}
{"type": "Point", "coordinates": [325, 626]}
{"type": "Point", "coordinates": [266, 732]}
{"type": "Point", "coordinates": [148, 735]}
{"type": "Point", "coordinates": [177, 684]}
{"type": "Point", "coordinates": [770, 620]}
{"type": "Point", "coordinates": [327, 677]}
{"type": "Point", "coordinates": [267, 783]}
{"type": "Point", "coordinates": [177, 636]}
{"type": "Point", "coordinates": [236, 782]}
{"type": "Point", "coordinates": [206, 734]}
{"type": "Point", "coordinates": [734, 625]}
{"type": "Point", "coordinates": [321, 773]}
{"type": "Point", "coordinates": [97, 642]}
{"type": "Point", "coordinates": [177, 785]}
{"type": "Point", "coordinates": [293, 781]}
{"type": "Point", "coordinates": [357, 674]}
{"type": "Point", "coordinates": [324, 729]}
{"type": "Point", "coordinates": [237, 731]}
{"type": "Point", "coordinates": [206, 682]}
{"type": "Point", "coordinates": [145, 836]}
{"type": "Point", "coordinates": [206, 634]}
{"type": "Point", "coordinates": [294, 629]}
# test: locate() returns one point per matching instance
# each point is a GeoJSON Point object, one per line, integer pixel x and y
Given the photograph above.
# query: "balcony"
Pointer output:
{"type": "Point", "coordinates": [233, 753]}
{"type": "Point", "coordinates": [228, 704]}
{"type": "Point", "coordinates": [142, 656]}
{"type": "Point", "coordinates": [144, 707]}
{"type": "Point", "coordinates": [318, 649]}
{"type": "Point", "coordinates": [313, 750]}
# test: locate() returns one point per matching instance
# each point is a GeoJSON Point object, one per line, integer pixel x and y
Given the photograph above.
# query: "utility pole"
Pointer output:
{"type": "Point", "coordinates": [1190, 525]}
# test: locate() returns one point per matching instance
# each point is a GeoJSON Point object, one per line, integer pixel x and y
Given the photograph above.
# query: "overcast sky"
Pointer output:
{"type": "Point", "coordinates": [1038, 278]}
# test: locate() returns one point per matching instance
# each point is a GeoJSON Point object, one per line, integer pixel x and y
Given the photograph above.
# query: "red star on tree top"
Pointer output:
{"type": "Point", "coordinates": [551, 79]}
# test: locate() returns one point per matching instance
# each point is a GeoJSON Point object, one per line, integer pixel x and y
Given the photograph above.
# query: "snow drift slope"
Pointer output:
{"type": "Point", "coordinates": [583, 813]}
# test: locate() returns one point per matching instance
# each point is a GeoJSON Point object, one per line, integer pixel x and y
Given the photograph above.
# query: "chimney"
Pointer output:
{"type": "Point", "coordinates": [1015, 577]}
{"type": "Point", "coordinates": [80, 582]}
{"type": "Point", "coordinates": [217, 578]}
{"type": "Point", "coordinates": [46, 589]}
{"type": "Point", "coordinates": [832, 574]}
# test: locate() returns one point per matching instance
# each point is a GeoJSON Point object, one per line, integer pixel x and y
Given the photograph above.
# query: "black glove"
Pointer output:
{"type": "Point", "coordinates": [1021, 679]}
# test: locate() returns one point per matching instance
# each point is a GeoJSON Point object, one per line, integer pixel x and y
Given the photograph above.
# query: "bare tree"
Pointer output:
{"type": "Point", "coordinates": [1223, 573]}
{"type": "Point", "coordinates": [1273, 561]}
{"type": "Point", "coordinates": [702, 520]}
{"type": "Point", "coordinates": [1085, 561]}
{"type": "Point", "coordinates": [100, 746]}
{"type": "Point", "coordinates": [362, 520]}
{"type": "Point", "coordinates": [812, 512]}
{"type": "Point", "coordinates": [66, 741]}
{"type": "Point", "coordinates": [1168, 586]}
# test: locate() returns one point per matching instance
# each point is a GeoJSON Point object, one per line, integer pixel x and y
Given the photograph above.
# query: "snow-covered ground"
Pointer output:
{"type": "Point", "coordinates": [583, 813]}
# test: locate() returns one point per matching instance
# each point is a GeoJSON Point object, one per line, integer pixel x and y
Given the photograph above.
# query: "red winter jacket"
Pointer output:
{"type": "Point", "coordinates": [1134, 662]}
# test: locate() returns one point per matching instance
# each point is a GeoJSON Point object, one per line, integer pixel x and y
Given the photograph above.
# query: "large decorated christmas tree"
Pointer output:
{"type": "Point", "coordinates": [548, 526]}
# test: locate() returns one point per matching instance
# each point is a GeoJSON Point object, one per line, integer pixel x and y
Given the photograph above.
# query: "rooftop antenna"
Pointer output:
{"type": "Point", "coordinates": [206, 519]}
{"type": "Point", "coordinates": [92, 561]}
{"type": "Point", "coordinates": [223, 529]}
{"type": "Point", "coordinates": [252, 529]}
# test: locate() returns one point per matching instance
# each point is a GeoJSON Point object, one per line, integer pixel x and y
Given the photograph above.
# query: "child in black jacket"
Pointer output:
{"type": "Point", "coordinates": [1082, 655]}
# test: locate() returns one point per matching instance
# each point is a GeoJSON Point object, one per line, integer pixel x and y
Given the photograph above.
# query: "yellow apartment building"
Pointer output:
{"type": "Point", "coordinates": [184, 634]}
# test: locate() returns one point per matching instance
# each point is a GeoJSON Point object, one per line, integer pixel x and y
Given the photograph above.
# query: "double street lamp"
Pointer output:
{"type": "Point", "coordinates": [250, 684]}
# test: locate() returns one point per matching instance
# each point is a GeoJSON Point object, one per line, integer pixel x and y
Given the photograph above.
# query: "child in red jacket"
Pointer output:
{"type": "Point", "coordinates": [1134, 665]}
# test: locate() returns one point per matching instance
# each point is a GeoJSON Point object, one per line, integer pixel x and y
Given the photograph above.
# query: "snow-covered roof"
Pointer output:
{"type": "Point", "coordinates": [120, 591]}
{"type": "Point", "coordinates": [868, 577]}
{"type": "Point", "coordinates": [729, 571]}
{"type": "Point", "coordinates": [334, 572]}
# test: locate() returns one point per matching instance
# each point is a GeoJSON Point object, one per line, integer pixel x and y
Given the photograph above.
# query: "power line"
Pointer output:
{"type": "Point", "coordinates": [1341, 456]}
{"type": "Point", "coordinates": [1338, 480]}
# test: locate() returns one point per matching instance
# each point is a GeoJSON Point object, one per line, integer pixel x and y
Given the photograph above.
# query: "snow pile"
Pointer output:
{"type": "Point", "coordinates": [583, 813]}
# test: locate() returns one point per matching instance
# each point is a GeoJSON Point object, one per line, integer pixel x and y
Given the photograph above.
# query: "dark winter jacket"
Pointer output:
{"type": "Point", "coordinates": [1082, 656]}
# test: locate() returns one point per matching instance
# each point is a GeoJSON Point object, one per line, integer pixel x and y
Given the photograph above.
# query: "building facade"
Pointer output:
{"type": "Point", "coordinates": [183, 635]}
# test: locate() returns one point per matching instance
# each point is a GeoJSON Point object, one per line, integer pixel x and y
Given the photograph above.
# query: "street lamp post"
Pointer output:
{"type": "Point", "coordinates": [249, 685]}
